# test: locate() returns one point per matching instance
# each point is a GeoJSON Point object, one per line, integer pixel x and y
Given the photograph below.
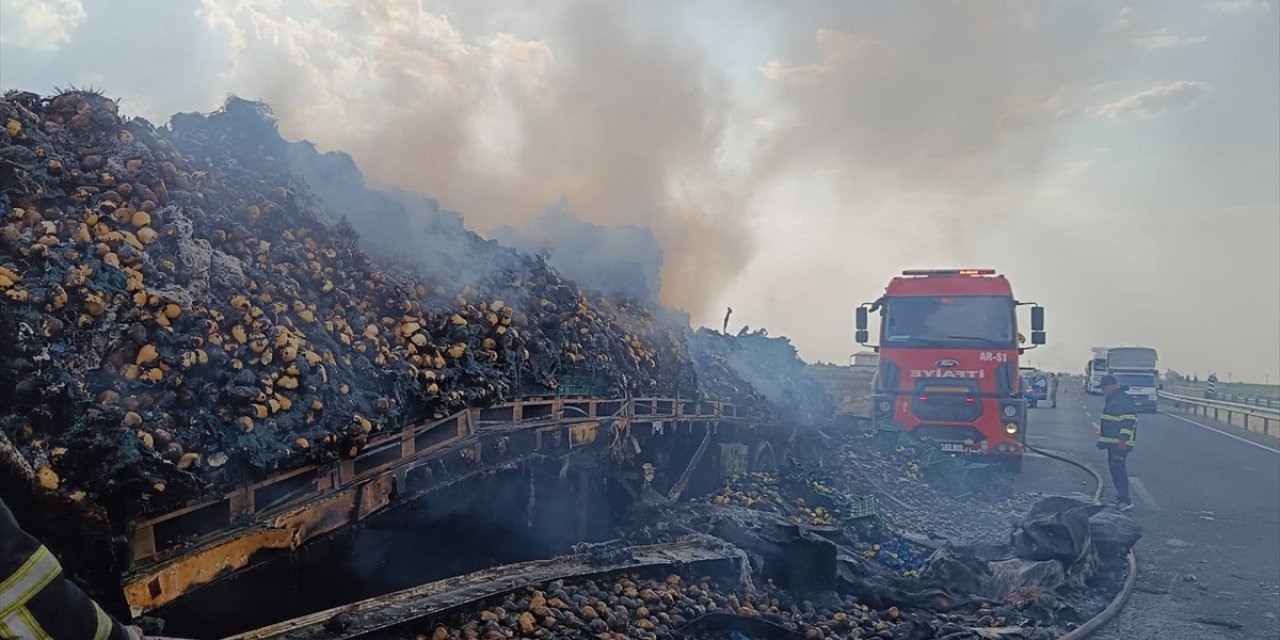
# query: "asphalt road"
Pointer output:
{"type": "Point", "coordinates": [1209, 505]}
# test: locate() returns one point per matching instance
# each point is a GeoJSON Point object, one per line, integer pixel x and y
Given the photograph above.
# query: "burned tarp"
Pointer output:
{"type": "Point", "coordinates": [1055, 528]}
{"type": "Point", "coordinates": [817, 562]}
{"type": "Point", "coordinates": [1053, 555]}
{"type": "Point", "coordinates": [1038, 576]}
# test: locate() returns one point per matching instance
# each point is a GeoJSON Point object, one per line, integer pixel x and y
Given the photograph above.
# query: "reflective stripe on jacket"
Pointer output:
{"type": "Point", "coordinates": [36, 599]}
{"type": "Point", "coordinates": [1119, 420]}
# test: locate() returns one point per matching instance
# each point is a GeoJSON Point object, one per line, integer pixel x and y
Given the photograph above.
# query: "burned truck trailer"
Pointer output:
{"type": "Point", "coordinates": [948, 367]}
{"type": "Point", "coordinates": [663, 447]}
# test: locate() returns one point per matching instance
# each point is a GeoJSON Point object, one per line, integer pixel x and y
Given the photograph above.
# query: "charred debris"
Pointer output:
{"type": "Point", "coordinates": [796, 552]}
{"type": "Point", "coordinates": [813, 584]}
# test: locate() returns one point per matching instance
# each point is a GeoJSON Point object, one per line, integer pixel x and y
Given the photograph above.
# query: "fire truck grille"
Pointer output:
{"type": "Point", "coordinates": [953, 403]}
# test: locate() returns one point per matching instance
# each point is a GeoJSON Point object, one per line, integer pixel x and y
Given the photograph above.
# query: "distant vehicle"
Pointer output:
{"type": "Point", "coordinates": [1035, 385]}
{"type": "Point", "coordinates": [1135, 370]}
{"type": "Point", "coordinates": [948, 366]}
{"type": "Point", "coordinates": [1094, 370]}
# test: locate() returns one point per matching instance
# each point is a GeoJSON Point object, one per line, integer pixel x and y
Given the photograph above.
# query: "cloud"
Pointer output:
{"type": "Point", "coordinates": [1164, 39]}
{"type": "Point", "coordinates": [952, 98]}
{"type": "Point", "coordinates": [1132, 27]}
{"type": "Point", "coordinates": [1164, 97]}
{"type": "Point", "coordinates": [1239, 7]}
{"type": "Point", "coordinates": [1125, 21]}
{"type": "Point", "coordinates": [41, 26]}
{"type": "Point", "coordinates": [836, 48]}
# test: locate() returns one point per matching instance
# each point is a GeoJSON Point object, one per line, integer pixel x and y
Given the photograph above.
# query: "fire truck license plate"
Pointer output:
{"type": "Point", "coordinates": [954, 446]}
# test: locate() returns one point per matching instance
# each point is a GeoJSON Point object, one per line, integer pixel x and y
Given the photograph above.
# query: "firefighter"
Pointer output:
{"type": "Point", "coordinates": [37, 601]}
{"type": "Point", "coordinates": [1053, 391]}
{"type": "Point", "coordinates": [1117, 435]}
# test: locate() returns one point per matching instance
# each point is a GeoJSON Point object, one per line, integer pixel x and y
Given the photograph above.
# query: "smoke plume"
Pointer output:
{"type": "Point", "coordinates": [621, 127]}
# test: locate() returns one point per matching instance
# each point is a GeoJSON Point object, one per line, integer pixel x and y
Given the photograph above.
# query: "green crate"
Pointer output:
{"type": "Point", "coordinates": [572, 383]}
{"type": "Point", "coordinates": [863, 516]}
{"type": "Point", "coordinates": [867, 506]}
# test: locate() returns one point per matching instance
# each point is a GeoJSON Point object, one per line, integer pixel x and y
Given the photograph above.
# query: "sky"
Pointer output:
{"type": "Point", "coordinates": [1120, 163]}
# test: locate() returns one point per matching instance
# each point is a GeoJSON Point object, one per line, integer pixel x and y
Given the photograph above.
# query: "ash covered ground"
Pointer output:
{"type": "Point", "coordinates": [826, 561]}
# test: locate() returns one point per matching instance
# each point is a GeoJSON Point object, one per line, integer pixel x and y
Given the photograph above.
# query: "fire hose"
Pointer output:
{"type": "Point", "coordinates": [1117, 603]}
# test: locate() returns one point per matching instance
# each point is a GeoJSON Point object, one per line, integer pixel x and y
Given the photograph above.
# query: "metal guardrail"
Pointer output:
{"type": "Point", "coordinates": [1269, 403]}
{"type": "Point", "coordinates": [1202, 391]}
{"type": "Point", "coordinates": [1218, 408]}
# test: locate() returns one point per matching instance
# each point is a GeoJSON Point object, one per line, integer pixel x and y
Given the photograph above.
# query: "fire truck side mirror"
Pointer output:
{"type": "Point", "coordinates": [1037, 322]}
{"type": "Point", "coordinates": [861, 336]}
{"type": "Point", "coordinates": [1037, 337]}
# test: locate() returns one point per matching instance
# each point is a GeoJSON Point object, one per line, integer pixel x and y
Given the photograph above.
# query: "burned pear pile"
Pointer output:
{"type": "Point", "coordinates": [181, 313]}
{"type": "Point", "coordinates": [756, 368]}
{"type": "Point", "coordinates": [633, 606]}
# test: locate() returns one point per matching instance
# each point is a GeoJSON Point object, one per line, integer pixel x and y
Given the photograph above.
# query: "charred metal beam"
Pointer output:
{"type": "Point", "coordinates": [688, 471]}
{"type": "Point", "coordinates": [428, 600]}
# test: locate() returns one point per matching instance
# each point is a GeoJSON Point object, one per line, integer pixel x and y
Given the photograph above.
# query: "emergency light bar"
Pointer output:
{"type": "Point", "coordinates": [949, 272]}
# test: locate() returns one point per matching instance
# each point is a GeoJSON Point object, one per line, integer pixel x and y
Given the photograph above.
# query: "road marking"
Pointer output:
{"type": "Point", "coordinates": [1229, 435]}
{"type": "Point", "coordinates": [1143, 494]}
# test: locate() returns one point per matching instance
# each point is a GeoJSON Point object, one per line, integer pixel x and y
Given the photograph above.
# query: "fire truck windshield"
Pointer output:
{"type": "Point", "coordinates": [949, 321]}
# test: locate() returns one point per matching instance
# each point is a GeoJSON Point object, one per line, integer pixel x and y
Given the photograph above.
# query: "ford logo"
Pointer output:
{"type": "Point", "coordinates": [948, 362]}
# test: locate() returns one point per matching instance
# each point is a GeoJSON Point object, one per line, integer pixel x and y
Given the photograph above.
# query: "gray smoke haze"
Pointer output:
{"type": "Point", "coordinates": [617, 260]}
{"type": "Point", "coordinates": [911, 108]}
{"type": "Point", "coordinates": [949, 111]}
{"type": "Point", "coordinates": [612, 123]}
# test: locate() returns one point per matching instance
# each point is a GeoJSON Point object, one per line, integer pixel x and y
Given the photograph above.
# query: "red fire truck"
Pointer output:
{"type": "Point", "coordinates": [948, 371]}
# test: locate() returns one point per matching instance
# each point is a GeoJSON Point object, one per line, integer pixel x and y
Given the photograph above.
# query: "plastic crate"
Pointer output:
{"type": "Point", "coordinates": [863, 516]}
{"type": "Point", "coordinates": [572, 383]}
{"type": "Point", "coordinates": [867, 506]}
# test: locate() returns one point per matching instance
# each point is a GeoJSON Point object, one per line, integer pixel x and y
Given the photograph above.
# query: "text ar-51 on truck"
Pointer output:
{"type": "Point", "coordinates": [949, 347]}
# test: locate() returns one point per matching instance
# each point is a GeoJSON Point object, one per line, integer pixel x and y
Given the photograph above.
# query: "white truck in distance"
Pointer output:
{"type": "Point", "coordinates": [1094, 370]}
{"type": "Point", "coordinates": [1135, 370]}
